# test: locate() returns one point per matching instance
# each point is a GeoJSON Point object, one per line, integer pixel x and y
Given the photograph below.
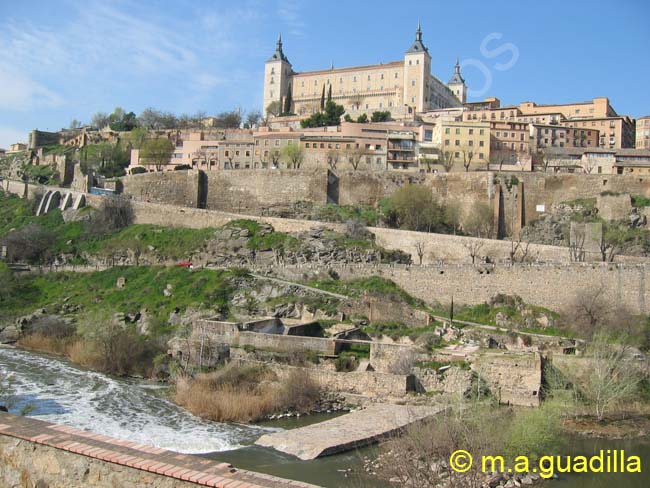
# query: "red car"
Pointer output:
{"type": "Point", "coordinates": [185, 264]}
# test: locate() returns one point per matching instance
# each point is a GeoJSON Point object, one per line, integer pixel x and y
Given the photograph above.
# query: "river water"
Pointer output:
{"type": "Point", "coordinates": [54, 390]}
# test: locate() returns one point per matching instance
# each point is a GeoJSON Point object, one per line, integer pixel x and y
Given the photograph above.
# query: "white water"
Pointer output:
{"type": "Point", "coordinates": [125, 409]}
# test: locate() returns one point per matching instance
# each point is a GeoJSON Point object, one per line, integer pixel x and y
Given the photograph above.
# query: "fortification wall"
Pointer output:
{"type": "Point", "coordinates": [551, 286]}
{"type": "Point", "coordinates": [257, 190]}
{"type": "Point", "coordinates": [168, 187]}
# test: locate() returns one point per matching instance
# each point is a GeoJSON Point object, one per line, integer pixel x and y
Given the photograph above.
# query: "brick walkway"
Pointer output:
{"type": "Point", "coordinates": [166, 463]}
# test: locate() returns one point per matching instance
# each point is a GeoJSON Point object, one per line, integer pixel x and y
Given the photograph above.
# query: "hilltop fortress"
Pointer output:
{"type": "Point", "coordinates": [402, 87]}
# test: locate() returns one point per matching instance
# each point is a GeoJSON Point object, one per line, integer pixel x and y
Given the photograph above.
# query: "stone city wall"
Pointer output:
{"type": "Point", "coordinates": [551, 286]}
{"type": "Point", "coordinates": [168, 187]}
{"type": "Point", "coordinates": [257, 190]}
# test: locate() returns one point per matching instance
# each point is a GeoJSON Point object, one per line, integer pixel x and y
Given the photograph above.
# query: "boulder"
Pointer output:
{"type": "Point", "coordinates": [9, 335]}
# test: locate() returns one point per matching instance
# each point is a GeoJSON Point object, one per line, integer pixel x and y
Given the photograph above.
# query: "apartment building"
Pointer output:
{"type": "Point", "coordinates": [643, 132]}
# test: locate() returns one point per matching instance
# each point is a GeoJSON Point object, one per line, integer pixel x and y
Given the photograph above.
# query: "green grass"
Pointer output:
{"type": "Point", "coordinates": [588, 203]}
{"type": "Point", "coordinates": [397, 329]}
{"type": "Point", "coordinates": [173, 243]}
{"type": "Point", "coordinates": [329, 305]}
{"type": "Point", "coordinates": [365, 214]}
{"type": "Point", "coordinates": [97, 292]}
{"type": "Point", "coordinates": [373, 284]}
{"type": "Point", "coordinates": [638, 201]}
{"type": "Point", "coordinates": [271, 240]}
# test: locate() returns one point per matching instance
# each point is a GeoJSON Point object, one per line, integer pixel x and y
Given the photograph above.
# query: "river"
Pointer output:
{"type": "Point", "coordinates": [54, 390]}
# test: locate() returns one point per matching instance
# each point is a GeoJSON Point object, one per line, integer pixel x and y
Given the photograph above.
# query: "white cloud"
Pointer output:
{"type": "Point", "coordinates": [19, 92]}
{"type": "Point", "coordinates": [290, 13]}
{"type": "Point", "coordinates": [9, 135]}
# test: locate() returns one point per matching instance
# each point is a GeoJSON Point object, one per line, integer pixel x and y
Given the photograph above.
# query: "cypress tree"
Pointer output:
{"type": "Point", "coordinates": [329, 93]}
{"type": "Point", "coordinates": [288, 101]}
{"type": "Point", "coordinates": [322, 99]}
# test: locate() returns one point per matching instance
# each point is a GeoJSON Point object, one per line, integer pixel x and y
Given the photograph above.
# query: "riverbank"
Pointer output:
{"type": "Point", "coordinates": [623, 425]}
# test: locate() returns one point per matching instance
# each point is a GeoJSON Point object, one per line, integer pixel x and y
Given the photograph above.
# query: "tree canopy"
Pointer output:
{"type": "Point", "coordinates": [331, 116]}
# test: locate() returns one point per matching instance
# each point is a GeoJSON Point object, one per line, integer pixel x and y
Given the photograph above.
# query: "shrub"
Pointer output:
{"type": "Point", "coordinates": [31, 244]}
{"type": "Point", "coordinates": [245, 393]}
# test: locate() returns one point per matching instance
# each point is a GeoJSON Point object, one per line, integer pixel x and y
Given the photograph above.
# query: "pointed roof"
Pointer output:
{"type": "Point", "coordinates": [418, 46]}
{"type": "Point", "coordinates": [457, 79]}
{"type": "Point", "coordinates": [278, 55]}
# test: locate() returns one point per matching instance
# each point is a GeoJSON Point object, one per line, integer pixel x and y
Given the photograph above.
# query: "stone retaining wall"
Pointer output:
{"type": "Point", "coordinates": [369, 383]}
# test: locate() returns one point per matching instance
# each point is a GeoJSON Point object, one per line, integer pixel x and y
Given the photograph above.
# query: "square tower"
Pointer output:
{"type": "Point", "coordinates": [417, 69]}
{"type": "Point", "coordinates": [277, 77]}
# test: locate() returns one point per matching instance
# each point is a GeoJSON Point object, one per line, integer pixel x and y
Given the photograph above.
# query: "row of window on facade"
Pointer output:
{"type": "Point", "coordinates": [469, 143]}
{"type": "Point", "coordinates": [458, 131]}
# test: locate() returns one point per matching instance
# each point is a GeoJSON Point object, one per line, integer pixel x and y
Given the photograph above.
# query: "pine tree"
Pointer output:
{"type": "Point", "coordinates": [322, 100]}
{"type": "Point", "coordinates": [288, 101]}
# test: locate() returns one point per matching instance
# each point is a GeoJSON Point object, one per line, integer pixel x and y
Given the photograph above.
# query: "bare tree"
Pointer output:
{"type": "Point", "coordinates": [611, 378]}
{"type": "Point", "coordinates": [354, 156]}
{"type": "Point", "coordinates": [468, 155]}
{"type": "Point", "coordinates": [333, 156]}
{"type": "Point", "coordinates": [419, 248]}
{"type": "Point", "coordinates": [612, 241]}
{"type": "Point", "coordinates": [209, 157]}
{"type": "Point", "coordinates": [518, 250]}
{"type": "Point", "coordinates": [447, 160]}
{"type": "Point", "coordinates": [275, 158]}
{"type": "Point", "coordinates": [473, 247]}
{"type": "Point", "coordinates": [588, 311]}
{"type": "Point", "coordinates": [577, 246]}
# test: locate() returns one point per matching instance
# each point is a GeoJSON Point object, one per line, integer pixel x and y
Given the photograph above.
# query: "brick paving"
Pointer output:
{"type": "Point", "coordinates": [183, 467]}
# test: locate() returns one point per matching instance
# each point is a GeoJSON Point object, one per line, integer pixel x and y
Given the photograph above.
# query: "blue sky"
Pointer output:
{"type": "Point", "coordinates": [68, 59]}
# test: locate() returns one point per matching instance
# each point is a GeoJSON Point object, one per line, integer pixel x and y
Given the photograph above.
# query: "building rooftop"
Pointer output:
{"type": "Point", "coordinates": [351, 68]}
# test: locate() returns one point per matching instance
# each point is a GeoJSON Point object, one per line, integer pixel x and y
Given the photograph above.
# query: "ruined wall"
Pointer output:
{"type": "Point", "coordinates": [391, 358]}
{"type": "Point", "coordinates": [169, 187]}
{"type": "Point", "coordinates": [369, 383]}
{"type": "Point", "coordinates": [25, 463]}
{"type": "Point", "coordinates": [514, 379]}
{"type": "Point", "coordinates": [284, 343]}
{"type": "Point", "coordinates": [257, 190]}
{"type": "Point", "coordinates": [454, 381]}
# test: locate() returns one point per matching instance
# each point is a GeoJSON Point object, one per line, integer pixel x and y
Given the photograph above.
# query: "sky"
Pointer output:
{"type": "Point", "coordinates": [67, 59]}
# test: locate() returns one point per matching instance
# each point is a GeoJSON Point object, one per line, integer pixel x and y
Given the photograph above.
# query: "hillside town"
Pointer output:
{"type": "Point", "coordinates": [344, 287]}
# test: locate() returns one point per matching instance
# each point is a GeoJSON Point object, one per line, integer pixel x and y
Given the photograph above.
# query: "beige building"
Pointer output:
{"type": "Point", "coordinates": [547, 136]}
{"type": "Point", "coordinates": [643, 132]}
{"type": "Point", "coordinates": [510, 146]}
{"type": "Point", "coordinates": [17, 147]}
{"type": "Point", "coordinates": [615, 131]}
{"type": "Point", "coordinates": [403, 87]}
{"type": "Point", "coordinates": [463, 143]}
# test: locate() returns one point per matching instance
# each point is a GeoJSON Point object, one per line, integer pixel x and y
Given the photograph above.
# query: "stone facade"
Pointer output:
{"type": "Point", "coordinates": [514, 379]}
{"type": "Point", "coordinates": [170, 187]}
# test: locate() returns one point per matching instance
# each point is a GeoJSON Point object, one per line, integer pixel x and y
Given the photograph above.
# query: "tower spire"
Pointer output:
{"type": "Point", "coordinates": [278, 55]}
{"type": "Point", "coordinates": [418, 33]}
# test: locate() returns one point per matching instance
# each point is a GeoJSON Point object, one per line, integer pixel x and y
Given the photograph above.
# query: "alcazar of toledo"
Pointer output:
{"type": "Point", "coordinates": [402, 87]}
